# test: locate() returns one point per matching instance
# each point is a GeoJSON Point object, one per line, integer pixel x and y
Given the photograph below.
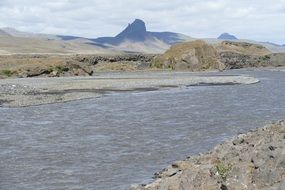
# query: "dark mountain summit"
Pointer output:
{"type": "Point", "coordinates": [227, 36]}
{"type": "Point", "coordinates": [137, 32]}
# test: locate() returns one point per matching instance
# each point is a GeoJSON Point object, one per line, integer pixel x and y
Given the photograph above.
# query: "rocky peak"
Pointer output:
{"type": "Point", "coordinates": [135, 31]}
{"type": "Point", "coordinates": [138, 25]}
{"type": "Point", "coordinates": [227, 36]}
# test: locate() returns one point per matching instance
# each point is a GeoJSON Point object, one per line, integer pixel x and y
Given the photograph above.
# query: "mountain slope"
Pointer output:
{"type": "Point", "coordinates": [28, 45]}
{"type": "Point", "coordinates": [3, 33]}
{"type": "Point", "coordinates": [135, 37]}
{"type": "Point", "coordinates": [199, 56]}
{"type": "Point", "coordinates": [16, 33]}
{"type": "Point", "coordinates": [227, 36]}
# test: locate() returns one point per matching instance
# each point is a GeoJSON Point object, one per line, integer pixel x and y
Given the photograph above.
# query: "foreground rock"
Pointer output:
{"type": "Point", "coordinates": [255, 160]}
{"type": "Point", "coordinates": [200, 56]}
{"type": "Point", "coordinates": [193, 56]}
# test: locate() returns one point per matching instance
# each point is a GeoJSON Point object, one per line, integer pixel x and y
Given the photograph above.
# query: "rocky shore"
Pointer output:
{"type": "Point", "coordinates": [255, 160]}
{"type": "Point", "coordinates": [37, 91]}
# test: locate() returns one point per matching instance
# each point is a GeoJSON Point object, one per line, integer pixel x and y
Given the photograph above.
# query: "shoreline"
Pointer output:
{"type": "Point", "coordinates": [25, 92]}
{"type": "Point", "coordinates": [254, 160]}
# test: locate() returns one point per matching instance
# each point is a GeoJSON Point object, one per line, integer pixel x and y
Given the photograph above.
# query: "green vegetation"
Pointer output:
{"type": "Point", "coordinates": [156, 63]}
{"type": "Point", "coordinates": [223, 169]}
{"type": "Point", "coordinates": [61, 69]}
{"type": "Point", "coordinates": [58, 69]}
{"type": "Point", "coordinates": [7, 73]}
{"type": "Point", "coordinates": [266, 57]}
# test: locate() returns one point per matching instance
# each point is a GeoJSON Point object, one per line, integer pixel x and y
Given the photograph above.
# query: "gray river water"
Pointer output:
{"type": "Point", "coordinates": [123, 138]}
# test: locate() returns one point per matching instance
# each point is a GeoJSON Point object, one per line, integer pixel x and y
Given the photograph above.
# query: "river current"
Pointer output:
{"type": "Point", "coordinates": [123, 138]}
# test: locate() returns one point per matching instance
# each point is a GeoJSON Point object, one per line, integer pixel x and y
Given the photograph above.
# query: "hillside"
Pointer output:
{"type": "Point", "coordinates": [3, 33]}
{"type": "Point", "coordinates": [30, 45]}
{"type": "Point", "coordinates": [227, 36]}
{"type": "Point", "coordinates": [194, 56]}
{"type": "Point", "coordinates": [199, 56]}
{"type": "Point", "coordinates": [135, 37]}
{"type": "Point", "coordinates": [242, 48]}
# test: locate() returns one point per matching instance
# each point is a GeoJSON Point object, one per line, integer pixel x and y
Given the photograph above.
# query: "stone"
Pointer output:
{"type": "Point", "coordinates": [230, 166]}
{"type": "Point", "coordinates": [238, 141]}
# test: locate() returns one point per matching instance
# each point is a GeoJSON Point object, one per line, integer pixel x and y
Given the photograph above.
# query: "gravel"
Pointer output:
{"type": "Point", "coordinates": [16, 89]}
{"type": "Point", "coordinates": [37, 91]}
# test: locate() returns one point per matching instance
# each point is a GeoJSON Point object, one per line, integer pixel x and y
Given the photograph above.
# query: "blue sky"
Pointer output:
{"type": "Point", "coordinates": [260, 20]}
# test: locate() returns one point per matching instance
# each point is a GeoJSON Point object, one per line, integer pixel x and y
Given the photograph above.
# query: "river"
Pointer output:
{"type": "Point", "coordinates": [123, 138]}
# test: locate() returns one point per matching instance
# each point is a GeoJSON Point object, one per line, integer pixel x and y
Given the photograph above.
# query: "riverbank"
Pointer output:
{"type": "Point", "coordinates": [68, 65]}
{"type": "Point", "coordinates": [255, 160]}
{"type": "Point", "coordinates": [37, 91]}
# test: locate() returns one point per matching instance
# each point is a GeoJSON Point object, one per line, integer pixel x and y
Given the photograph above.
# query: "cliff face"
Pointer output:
{"type": "Point", "coordinates": [199, 56]}
{"type": "Point", "coordinates": [194, 56]}
{"type": "Point", "coordinates": [255, 160]}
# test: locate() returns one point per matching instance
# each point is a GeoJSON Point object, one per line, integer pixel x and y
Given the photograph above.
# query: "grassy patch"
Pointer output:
{"type": "Point", "coordinates": [7, 73]}
{"type": "Point", "coordinates": [266, 57]}
{"type": "Point", "coordinates": [58, 69]}
{"type": "Point", "coordinates": [223, 169]}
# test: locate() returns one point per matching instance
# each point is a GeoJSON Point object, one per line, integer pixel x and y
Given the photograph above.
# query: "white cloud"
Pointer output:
{"type": "Point", "coordinates": [252, 19]}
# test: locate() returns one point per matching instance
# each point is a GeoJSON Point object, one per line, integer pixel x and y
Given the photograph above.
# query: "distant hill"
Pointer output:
{"type": "Point", "coordinates": [16, 33]}
{"type": "Point", "coordinates": [227, 36]}
{"type": "Point", "coordinates": [135, 37]}
{"type": "Point", "coordinates": [16, 42]}
{"type": "Point", "coordinates": [199, 56]}
{"type": "Point", "coordinates": [3, 33]}
{"type": "Point", "coordinates": [274, 48]}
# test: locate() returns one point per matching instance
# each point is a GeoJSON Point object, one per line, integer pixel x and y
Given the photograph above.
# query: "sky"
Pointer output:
{"type": "Point", "coordinates": [259, 20]}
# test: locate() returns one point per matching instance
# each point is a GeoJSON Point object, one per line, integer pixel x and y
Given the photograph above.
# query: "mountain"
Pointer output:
{"type": "Point", "coordinates": [274, 48]}
{"type": "Point", "coordinates": [13, 41]}
{"type": "Point", "coordinates": [3, 33]}
{"type": "Point", "coordinates": [135, 37]}
{"type": "Point", "coordinates": [16, 33]}
{"type": "Point", "coordinates": [227, 36]}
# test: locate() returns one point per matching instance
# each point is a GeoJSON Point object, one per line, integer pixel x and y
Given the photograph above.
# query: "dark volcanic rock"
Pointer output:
{"type": "Point", "coordinates": [131, 57]}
